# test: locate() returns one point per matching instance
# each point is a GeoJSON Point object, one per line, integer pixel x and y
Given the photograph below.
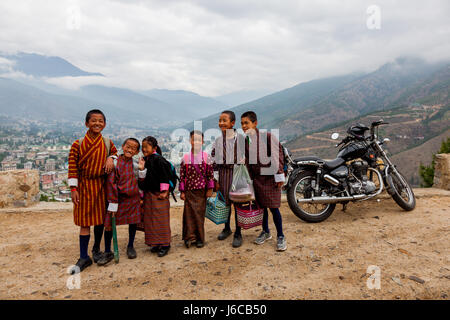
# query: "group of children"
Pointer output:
{"type": "Point", "coordinates": [106, 185]}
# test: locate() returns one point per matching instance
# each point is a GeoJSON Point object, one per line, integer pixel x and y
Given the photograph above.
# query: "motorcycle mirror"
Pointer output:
{"type": "Point", "coordinates": [335, 136]}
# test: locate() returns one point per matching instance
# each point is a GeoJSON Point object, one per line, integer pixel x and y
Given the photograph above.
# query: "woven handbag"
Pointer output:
{"type": "Point", "coordinates": [217, 210]}
{"type": "Point", "coordinates": [249, 215]}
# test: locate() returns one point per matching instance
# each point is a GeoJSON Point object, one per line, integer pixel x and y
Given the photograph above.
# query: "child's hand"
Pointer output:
{"type": "Point", "coordinates": [141, 163]}
{"type": "Point", "coordinates": [163, 195]}
{"type": "Point", "coordinates": [279, 184]}
{"type": "Point", "coordinates": [183, 196]}
{"type": "Point", "coordinates": [109, 165]}
{"type": "Point", "coordinates": [113, 214]}
{"type": "Point", "coordinates": [75, 197]}
{"type": "Point", "coordinates": [209, 193]}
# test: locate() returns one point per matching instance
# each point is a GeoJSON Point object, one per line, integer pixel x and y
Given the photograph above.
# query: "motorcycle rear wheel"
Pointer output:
{"type": "Point", "coordinates": [301, 187]}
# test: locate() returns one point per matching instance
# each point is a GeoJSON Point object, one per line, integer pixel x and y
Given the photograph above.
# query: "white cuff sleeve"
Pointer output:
{"type": "Point", "coordinates": [279, 177]}
{"type": "Point", "coordinates": [142, 173]}
{"type": "Point", "coordinates": [73, 182]}
{"type": "Point", "coordinates": [113, 207]}
{"type": "Point", "coordinates": [216, 175]}
{"type": "Point", "coordinates": [114, 157]}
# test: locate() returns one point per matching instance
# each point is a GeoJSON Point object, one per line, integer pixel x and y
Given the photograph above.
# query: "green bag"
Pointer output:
{"type": "Point", "coordinates": [217, 210]}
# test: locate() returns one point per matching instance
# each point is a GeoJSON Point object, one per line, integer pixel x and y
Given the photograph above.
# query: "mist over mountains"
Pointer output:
{"type": "Point", "coordinates": [306, 107]}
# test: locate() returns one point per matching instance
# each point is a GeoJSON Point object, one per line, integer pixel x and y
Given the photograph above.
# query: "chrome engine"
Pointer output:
{"type": "Point", "coordinates": [359, 182]}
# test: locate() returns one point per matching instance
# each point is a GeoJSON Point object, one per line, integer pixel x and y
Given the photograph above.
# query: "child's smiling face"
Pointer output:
{"type": "Point", "coordinates": [147, 149]}
{"type": "Point", "coordinates": [225, 122]}
{"type": "Point", "coordinates": [96, 123]}
{"type": "Point", "coordinates": [130, 149]}
{"type": "Point", "coordinates": [196, 142]}
{"type": "Point", "coordinates": [248, 126]}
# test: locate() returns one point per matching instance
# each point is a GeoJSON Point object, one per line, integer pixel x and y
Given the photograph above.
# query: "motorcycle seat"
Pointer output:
{"type": "Point", "coordinates": [308, 158]}
{"type": "Point", "coordinates": [331, 164]}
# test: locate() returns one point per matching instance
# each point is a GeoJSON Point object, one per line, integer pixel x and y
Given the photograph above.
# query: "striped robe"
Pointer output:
{"type": "Point", "coordinates": [123, 194]}
{"type": "Point", "coordinates": [232, 151]}
{"type": "Point", "coordinates": [86, 171]}
{"type": "Point", "coordinates": [267, 193]}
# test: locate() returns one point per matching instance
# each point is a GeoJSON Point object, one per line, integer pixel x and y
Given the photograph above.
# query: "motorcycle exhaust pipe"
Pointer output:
{"type": "Point", "coordinates": [331, 180]}
{"type": "Point", "coordinates": [331, 199]}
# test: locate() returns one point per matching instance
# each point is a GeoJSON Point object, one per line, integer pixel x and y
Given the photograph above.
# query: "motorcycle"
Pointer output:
{"type": "Point", "coordinates": [360, 172]}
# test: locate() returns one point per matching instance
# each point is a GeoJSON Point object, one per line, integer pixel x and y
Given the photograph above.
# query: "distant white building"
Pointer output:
{"type": "Point", "coordinates": [28, 165]}
{"type": "Point", "coordinates": [9, 165]}
{"type": "Point", "coordinates": [50, 165]}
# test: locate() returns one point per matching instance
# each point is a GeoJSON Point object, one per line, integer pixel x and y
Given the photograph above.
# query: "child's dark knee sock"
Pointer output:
{"type": "Point", "coordinates": [277, 221]}
{"type": "Point", "coordinates": [108, 238]}
{"type": "Point", "coordinates": [98, 233]}
{"type": "Point", "coordinates": [84, 243]}
{"type": "Point", "coordinates": [227, 224]}
{"type": "Point", "coordinates": [265, 222]}
{"type": "Point", "coordinates": [238, 229]}
{"type": "Point", "coordinates": [131, 234]}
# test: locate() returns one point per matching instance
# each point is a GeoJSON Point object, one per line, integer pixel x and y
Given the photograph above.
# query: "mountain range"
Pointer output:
{"type": "Point", "coordinates": [36, 96]}
{"type": "Point", "coordinates": [317, 104]}
{"type": "Point", "coordinates": [296, 111]}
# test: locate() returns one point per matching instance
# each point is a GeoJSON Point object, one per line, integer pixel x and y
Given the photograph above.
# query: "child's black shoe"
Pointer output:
{"type": "Point", "coordinates": [199, 244]}
{"type": "Point", "coordinates": [107, 257]}
{"type": "Point", "coordinates": [155, 249]}
{"type": "Point", "coordinates": [224, 234]}
{"type": "Point", "coordinates": [131, 253]}
{"type": "Point", "coordinates": [96, 254]}
{"type": "Point", "coordinates": [163, 251]}
{"type": "Point", "coordinates": [81, 265]}
{"type": "Point", "coordinates": [187, 243]}
{"type": "Point", "coordinates": [237, 241]}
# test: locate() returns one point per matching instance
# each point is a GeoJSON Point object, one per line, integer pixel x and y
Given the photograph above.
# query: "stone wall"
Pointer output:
{"type": "Point", "coordinates": [19, 188]}
{"type": "Point", "coordinates": [442, 171]}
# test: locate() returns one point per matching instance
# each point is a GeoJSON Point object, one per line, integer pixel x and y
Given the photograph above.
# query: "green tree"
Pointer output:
{"type": "Point", "coordinates": [427, 172]}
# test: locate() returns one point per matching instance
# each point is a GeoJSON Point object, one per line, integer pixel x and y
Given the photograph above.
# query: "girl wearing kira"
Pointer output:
{"type": "Point", "coordinates": [154, 181]}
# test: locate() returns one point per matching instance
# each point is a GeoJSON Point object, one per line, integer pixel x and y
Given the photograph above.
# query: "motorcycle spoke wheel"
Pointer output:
{"type": "Point", "coordinates": [404, 192]}
{"type": "Point", "coordinates": [303, 190]}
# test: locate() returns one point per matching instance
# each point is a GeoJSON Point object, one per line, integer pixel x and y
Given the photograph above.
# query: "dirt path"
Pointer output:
{"type": "Point", "coordinates": [323, 261]}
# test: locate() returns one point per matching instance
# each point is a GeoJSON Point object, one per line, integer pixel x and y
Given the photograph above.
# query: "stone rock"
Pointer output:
{"type": "Point", "coordinates": [442, 172]}
{"type": "Point", "coordinates": [397, 280]}
{"type": "Point", "coordinates": [12, 186]}
{"type": "Point", "coordinates": [416, 279]}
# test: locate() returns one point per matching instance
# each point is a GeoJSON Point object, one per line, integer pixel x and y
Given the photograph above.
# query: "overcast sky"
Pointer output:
{"type": "Point", "coordinates": [214, 47]}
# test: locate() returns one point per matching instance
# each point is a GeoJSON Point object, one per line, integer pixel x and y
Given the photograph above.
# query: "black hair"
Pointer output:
{"type": "Point", "coordinates": [196, 132]}
{"type": "Point", "coordinates": [251, 115]}
{"type": "Point", "coordinates": [153, 142]}
{"type": "Point", "coordinates": [230, 114]}
{"type": "Point", "coordinates": [132, 139]}
{"type": "Point", "coordinates": [94, 111]}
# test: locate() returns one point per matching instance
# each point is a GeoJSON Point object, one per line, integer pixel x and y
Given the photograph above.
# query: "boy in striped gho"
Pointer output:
{"type": "Point", "coordinates": [228, 150]}
{"type": "Point", "coordinates": [267, 186]}
{"type": "Point", "coordinates": [89, 159]}
{"type": "Point", "coordinates": [124, 200]}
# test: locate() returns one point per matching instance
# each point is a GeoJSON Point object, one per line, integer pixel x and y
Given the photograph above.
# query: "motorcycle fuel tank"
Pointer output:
{"type": "Point", "coordinates": [352, 151]}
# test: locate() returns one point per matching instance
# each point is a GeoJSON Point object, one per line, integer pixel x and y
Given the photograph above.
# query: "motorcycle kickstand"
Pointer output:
{"type": "Point", "coordinates": [344, 207]}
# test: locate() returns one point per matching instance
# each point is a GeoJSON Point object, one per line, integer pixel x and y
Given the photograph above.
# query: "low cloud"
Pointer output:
{"type": "Point", "coordinates": [214, 47]}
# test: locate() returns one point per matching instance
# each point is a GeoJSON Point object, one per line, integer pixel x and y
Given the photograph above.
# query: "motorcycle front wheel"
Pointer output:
{"type": "Point", "coordinates": [400, 190]}
{"type": "Point", "coordinates": [301, 189]}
